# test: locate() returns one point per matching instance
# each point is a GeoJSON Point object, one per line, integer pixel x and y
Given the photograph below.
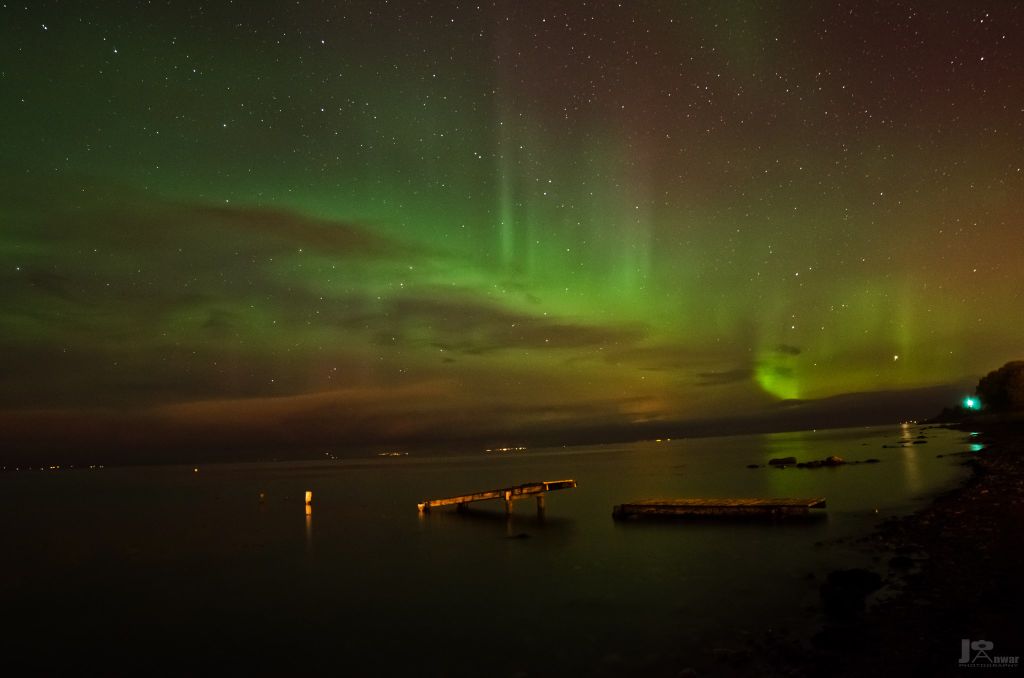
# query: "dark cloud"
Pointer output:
{"type": "Point", "coordinates": [142, 301]}
{"type": "Point", "coordinates": [417, 416]}
{"type": "Point", "coordinates": [87, 217]}
{"type": "Point", "coordinates": [141, 257]}
{"type": "Point", "coordinates": [267, 227]}
{"type": "Point", "coordinates": [738, 375]}
{"type": "Point", "coordinates": [787, 349]}
{"type": "Point", "coordinates": [108, 296]}
{"type": "Point", "coordinates": [59, 286]}
{"type": "Point", "coordinates": [849, 409]}
{"type": "Point", "coordinates": [221, 321]}
{"type": "Point", "coordinates": [666, 357]}
{"type": "Point", "coordinates": [474, 326]}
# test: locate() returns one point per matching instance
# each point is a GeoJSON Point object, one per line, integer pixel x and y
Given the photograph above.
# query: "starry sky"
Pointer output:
{"type": "Point", "coordinates": [329, 225]}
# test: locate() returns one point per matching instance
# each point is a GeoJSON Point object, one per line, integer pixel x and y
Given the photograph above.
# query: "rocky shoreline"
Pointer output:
{"type": "Point", "coordinates": [952, 571]}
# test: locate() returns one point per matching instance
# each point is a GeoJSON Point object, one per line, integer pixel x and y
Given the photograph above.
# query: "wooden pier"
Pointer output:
{"type": "Point", "coordinates": [509, 494]}
{"type": "Point", "coordinates": [716, 508]}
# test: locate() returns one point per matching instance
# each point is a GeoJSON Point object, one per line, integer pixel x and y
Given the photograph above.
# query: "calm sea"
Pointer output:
{"type": "Point", "coordinates": [170, 570]}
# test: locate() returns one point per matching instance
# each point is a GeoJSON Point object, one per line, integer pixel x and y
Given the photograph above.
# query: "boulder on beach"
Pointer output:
{"type": "Point", "coordinates": [818, 463]}
{"type": "Point", "coordinates": [844, 592]}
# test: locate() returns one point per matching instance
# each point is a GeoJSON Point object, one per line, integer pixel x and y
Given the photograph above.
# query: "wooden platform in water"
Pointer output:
{"type": "Point", "coordinates": [509, 494]}
{"type": "Point", "coordinates": [671, 508]}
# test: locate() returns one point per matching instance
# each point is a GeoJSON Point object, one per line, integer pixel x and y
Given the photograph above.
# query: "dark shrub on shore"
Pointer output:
{"type": "Point", "coordinates": [1002, 390]}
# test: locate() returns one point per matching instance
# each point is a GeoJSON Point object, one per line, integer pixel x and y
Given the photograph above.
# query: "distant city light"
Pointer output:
{"type": "Point", "coordinates": [972, 404]}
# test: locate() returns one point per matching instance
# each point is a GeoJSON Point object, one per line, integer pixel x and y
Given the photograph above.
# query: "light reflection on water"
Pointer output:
{"type": "Point", "coordinates": [227, 557]}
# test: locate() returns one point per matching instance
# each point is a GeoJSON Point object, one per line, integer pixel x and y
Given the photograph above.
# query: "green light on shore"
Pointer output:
{"type": "Point", "coordinates": [972, 404]}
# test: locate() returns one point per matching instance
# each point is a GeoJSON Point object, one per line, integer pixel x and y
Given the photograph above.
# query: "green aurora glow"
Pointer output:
{"type": "Point", "coordinates": [388, 222]}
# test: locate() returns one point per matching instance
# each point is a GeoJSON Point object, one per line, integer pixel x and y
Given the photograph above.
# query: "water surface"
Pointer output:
{"type": "Point", "coordinates": [166, 568]}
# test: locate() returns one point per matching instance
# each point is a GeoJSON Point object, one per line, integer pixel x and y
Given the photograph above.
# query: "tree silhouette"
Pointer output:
{"type": "Point", "coordinates": [1003, 389]}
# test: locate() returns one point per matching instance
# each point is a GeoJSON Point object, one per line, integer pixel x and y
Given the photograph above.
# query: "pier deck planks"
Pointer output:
{"type": "Point", "coordinates": [509, 494]}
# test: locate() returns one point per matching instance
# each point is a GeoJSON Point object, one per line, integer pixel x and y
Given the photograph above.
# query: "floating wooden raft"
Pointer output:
{"type": "Point", "coordinates": [667, 508]}
{"type": "Point", "coordinates": [509, 494]}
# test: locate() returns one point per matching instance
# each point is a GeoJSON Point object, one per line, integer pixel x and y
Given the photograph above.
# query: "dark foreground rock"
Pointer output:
{"type": "Point", "coordinates": [827, 462]}
{"type": "Point", "coordinates": [845, 591]}
{"type": "Point", "coordinates": [819, 463]}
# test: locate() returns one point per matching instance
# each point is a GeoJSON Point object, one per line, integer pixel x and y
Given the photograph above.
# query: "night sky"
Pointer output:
{"type": "Point", "coordinates": [311, 225]}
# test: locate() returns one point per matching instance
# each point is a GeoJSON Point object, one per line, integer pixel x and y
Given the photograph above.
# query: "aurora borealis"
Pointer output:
{"type": "Point", "coordinates": [310, 225]}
